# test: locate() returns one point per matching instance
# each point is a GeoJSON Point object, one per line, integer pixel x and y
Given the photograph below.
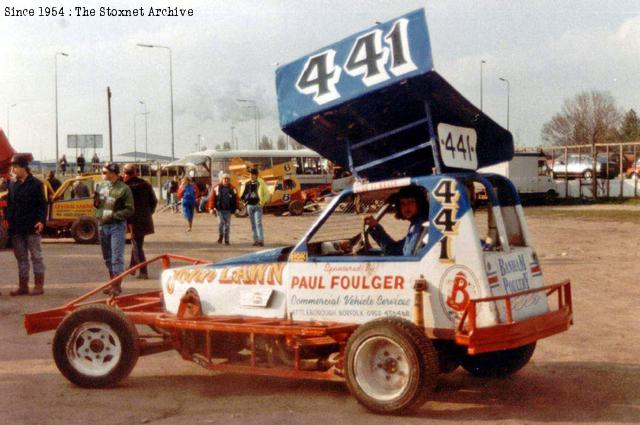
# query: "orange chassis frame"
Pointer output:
{"type": "Point", "coordinates": [147, 309]}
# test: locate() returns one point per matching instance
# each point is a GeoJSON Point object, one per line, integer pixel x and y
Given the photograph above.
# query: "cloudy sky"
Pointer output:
{"type": "Point", "coordinates": [548, 50]}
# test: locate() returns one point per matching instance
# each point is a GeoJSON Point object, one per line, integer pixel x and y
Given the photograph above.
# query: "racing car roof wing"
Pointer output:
{"type": "Point", "coordinates": [373, 102]}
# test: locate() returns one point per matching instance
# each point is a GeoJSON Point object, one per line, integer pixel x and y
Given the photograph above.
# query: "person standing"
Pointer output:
{"type": "Point", "coordinates": [188, 193]}
{"type": "Point", "coordinates": [255, 196]}
{"type": "Point", "coordinates": [63, 163]}
{"type": "Point", "coordinates": [173, 193]}
{"type": "Point", "coordinates": [141, 222]}
{"type": "Point", "coordinates": [95, 163]}
{"type": "Point", "coordinates": [79, 190]}
{"type": "Point", "coordinates": [114, 205]}
{"type": "Point", "coordinates": [80, 163]}
{"type": "Point", "coordinates": [53, 181]}
{"type": "Point", "coordinates": [205, 199]}
{"type": "Point", "coordinates": [224, 200]}
{"type": "Point", "coordinates": [26, 214]}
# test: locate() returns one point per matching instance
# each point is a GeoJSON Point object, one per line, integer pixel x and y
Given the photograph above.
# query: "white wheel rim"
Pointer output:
{"type": "Point", "coordinates": [381, 368]}
{"type": "Point", "coordinates": [94, 349]}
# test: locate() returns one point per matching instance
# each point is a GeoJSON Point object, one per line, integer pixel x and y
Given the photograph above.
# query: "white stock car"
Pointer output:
{"type": "Point", "coordinates": [337, 306]}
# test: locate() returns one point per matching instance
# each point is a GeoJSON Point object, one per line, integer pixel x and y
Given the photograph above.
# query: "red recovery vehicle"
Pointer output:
{"type": "Point", "coordinates": [339, 305]}
{"type": "Point", "coordinates": [6, 153]}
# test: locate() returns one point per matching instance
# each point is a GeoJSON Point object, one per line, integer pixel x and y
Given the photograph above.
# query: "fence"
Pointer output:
{"type": "Point", "coordinates": [610, 170]}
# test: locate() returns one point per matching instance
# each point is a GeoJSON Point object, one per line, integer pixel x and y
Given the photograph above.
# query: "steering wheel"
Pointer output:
{"type": "Point", "coordinates": [362, 242]}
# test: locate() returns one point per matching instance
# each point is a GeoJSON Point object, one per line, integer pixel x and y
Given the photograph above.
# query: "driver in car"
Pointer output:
{"type": "Point", "coordinates": [412, 206]}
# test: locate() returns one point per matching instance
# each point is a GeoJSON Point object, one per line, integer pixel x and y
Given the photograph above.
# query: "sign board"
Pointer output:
{"type": "Point", "coordinates": [83, 141]}
{"type": "Point", "coordinates": [72, 209]}
{"type": "Point", "coordinates": [458, 146]}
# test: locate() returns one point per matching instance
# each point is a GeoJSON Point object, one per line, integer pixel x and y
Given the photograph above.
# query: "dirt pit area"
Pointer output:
{"type": "Point", "coordinates": [590, 374]}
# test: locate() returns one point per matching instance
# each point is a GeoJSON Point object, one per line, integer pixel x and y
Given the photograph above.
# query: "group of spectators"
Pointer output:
{"type": "Point", "coordinates": [81, 163]}
{"type": "Point", "coordinates": [120, 201]}
{"type": "Point", "coordinates": [223, 201]}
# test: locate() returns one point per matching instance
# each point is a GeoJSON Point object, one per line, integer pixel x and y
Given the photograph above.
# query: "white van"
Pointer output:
{"type": "Point", "coordinates": [529, 173]}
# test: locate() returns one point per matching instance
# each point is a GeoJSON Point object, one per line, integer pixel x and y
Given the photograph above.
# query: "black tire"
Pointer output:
{"type": "Point", "coordinates": [498, 363]}
{"type": "Point", "coordinates": [85, 230]}
{"type": "Point", "coordinates": [401, 362]}
{"type": "Point", "coordinates": [449, 354]}
{"type": "Point", "coordinates": [241, 211]}
{"type": "Point", "coordinates": [587, 174]}
{"type": "Point", "coordinates": [296, 207]}
{"type": "Point", "coordinates": [108, 358]}
{"type": "Point", "coordinates": [551, 196]}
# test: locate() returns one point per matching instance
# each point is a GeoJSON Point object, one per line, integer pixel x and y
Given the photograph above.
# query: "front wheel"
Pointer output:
{"type": "Point", "coordinates": [96, 346]}
{"type": "Point", "coordinates": [498, 363]}
{"type": "Point", "coordinates": [391, 366]}
{"type": "Point", "coordinates": [85, 230]}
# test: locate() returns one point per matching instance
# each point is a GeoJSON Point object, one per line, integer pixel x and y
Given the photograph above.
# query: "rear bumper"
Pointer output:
{"type": "Point", "coordinates": [515, 334]}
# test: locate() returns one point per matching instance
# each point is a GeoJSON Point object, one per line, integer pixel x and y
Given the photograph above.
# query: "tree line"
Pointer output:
{"type": "Point", "coordinates": [590, 118]}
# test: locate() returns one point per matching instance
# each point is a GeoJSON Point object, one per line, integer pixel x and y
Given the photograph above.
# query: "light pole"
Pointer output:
{"type": "Point", "coordinates": [146, 139]}
{"type": "Point", "coordinates": [56, 96]}
{"type": "Point", "coordinates": [8, 117]}
{"type": "Point", "coordinates": [233, 145]}
{"type": "Point", "coordinates": [508, 95]}
{"type": "Point", "coordinates": [173, 156]}
{"type": "Point", "coordinates": [482, 62]}
{"type": "Point", "coordinates": [135, 136]}
{"type": "Point", "coordinates": [256, 118]}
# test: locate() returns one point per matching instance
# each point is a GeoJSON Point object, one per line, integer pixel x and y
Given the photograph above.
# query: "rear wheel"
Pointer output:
{"type": "Point", "coordinates": [96, 346]}
{"type": "Point", "coordinates": [551, 196]}
{"type": "Point", "coordinates": [85, 230]}
{"type": "Point", "coordinates": [498, 363]}
{"type": "Point", "coordinates": [296, 207]}
{"type": "Point", "coordinates": [391, 366]}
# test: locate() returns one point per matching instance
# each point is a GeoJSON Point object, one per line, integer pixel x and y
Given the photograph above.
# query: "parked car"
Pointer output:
{"type": "Point", "coordinates": [633, 171]}
{"type": "Point", "coordinates": [581, 166]}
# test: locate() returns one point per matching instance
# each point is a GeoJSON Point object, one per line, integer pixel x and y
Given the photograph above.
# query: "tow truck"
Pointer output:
{"type": "Point", "coordinates": [6, 153]}
{"type": "Point", "coordinates": [335, 306]}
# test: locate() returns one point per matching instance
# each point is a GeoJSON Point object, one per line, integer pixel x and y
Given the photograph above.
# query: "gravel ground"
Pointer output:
{"type": "Point", "coordinates": [590, 374]}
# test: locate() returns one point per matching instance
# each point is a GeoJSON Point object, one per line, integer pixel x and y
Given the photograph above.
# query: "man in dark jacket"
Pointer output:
{"type": "Point", "coordinates": [26, 214]}
{"type": "Point", "coordinates": [81, 162]}
{"type": "Point", "coordinates": [224, 200]}
{"type": "Point", "coordinates": [53, 181]}
{"type": "Point", "coordinates": [141, 222]}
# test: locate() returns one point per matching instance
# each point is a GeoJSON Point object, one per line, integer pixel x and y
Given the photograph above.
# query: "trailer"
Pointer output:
{"type": "Point", "coordinates": [530, 174]}
{"type": "Point", "coordinates": [338, 305]}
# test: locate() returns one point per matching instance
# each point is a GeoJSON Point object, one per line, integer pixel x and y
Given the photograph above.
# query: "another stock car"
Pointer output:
{"type": "Point", "coordinates": [334, 306]}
